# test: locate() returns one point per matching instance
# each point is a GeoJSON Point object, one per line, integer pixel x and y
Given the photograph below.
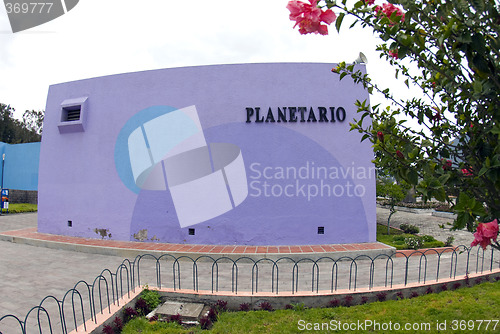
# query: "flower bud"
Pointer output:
{"type": "Point", "coordinates": [446, 164]}
{"type": "Point", "coordinates": [380, 136]}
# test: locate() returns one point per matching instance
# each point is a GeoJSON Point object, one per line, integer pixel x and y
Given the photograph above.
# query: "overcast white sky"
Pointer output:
{"type": "Point", "coordinates": [102, 37]}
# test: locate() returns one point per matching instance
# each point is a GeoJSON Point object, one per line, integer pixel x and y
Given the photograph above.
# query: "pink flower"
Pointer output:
{"type": "Point", "coordinates": [400, 155]}
{"type": "Point", "coordinates": [387, 9]}
{"type": "Point", "coordinates": [309, 17]}
{"type": "Point", "coordinates": [437, 116]}
{"type": "Point", "coordinates": [393, 54]}
{"type": "Point", "coordinates": [466, 172]}
{"type": "Point", "coordinates": [369, 2]}
{"type": "Point", "coordinates": [486, 232]}
{"type": "Point", "coordinates": [446, 164]}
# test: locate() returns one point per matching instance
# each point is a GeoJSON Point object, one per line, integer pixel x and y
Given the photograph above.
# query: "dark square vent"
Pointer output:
{"type": "Point", "coordinates": [71, 114]}
{"type": "Point", "coordinates": [321, 230]}
{"type": "Point", "coordinates": [191, 231]}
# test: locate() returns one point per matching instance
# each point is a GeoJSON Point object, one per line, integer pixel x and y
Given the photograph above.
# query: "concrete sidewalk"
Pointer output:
{"type": "Point", "coordinates": [428, 224]}
{"type": "Point", "coordinates": [131, 249]}
{"type": "Point", "coordinates": [29, 273]}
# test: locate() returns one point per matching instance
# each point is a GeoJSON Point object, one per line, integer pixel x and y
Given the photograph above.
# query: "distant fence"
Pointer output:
{"type": "Point", "coordinates": [23, 196]}
{"type": "Point", "coordinates": [325, 275]}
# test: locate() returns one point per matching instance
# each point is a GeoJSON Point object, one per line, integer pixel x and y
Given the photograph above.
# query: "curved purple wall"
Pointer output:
{"type": "Point", "coordinates": [255, 154]}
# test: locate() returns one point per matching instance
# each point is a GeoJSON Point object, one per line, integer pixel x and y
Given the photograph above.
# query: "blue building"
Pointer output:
{"type": "Point", "coordinates": [20, 166]}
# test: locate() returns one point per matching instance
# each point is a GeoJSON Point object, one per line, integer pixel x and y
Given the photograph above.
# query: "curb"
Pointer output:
{"type": "Point", "coordinates": [383, 249]}
{"type": "Point", "coordinates": [443, 214]}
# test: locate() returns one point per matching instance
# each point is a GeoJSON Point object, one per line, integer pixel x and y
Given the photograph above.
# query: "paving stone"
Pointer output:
{"type": "Point", "coordinates": [188, 311]}
{"type": "Point", "coordinates": [438, 227]}
{"type": "Point", "coordinates": [28, 273]}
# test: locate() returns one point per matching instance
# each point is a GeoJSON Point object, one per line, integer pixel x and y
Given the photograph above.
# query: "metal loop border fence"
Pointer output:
{"type": "Point", "coordinates": [86, 300]}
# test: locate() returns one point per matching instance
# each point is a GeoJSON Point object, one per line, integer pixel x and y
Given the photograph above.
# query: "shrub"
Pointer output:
{"type": "Point", "coordinates": [364, 300]}
{"type": "Point", "coordinates": [456, 285]}
{"type": "Point", "coordinates": [130, 313]}
{"type": "Point", "coordinates": [151, 297]}
{"type": "Point", "coordinates": [444, 287]}
{"type": "Point", "coordinates": [288, 307]}
{"type": "Point", "coordinates": [399, 238]}
{"type": "Point", "coordinates": [428, 238]}
{"type": "Point", "coordinates": [299, 307]}
{"type": "Point", "coordinates": [142, 307]}
{"type": "Point", "coordinates": [381, 296]}
{"type": "Point", "coordinates": [413, 242]}
{"type": "Point", "coordinates": [444, 208]}
{"type": "Point", "coordinates": [400, 295]}
{"type": "Point", "coordinates": [410, 229]}
{"type": "Point", "coordinates": [266, 306]}
{"type": "Point", "coordinates": [107, 329]}
{"type": "Point", "coordinates": [205, 323]}
{"type": "Point", "coordinates": [176, 318]}
{"type": "Point", "coordinates": [118, 323]}
{"type": "Point", "coordinates": [212, 314]}
{"type": "Point", "coordinates": [245, 307]}
{"type": "Point", "coordinates": [348, 300]}
{"type": "Point", "coordinates": [414, 294]}
{"type": "Point", "coordinates": [429, 290]}
{"type": "Point", "coordinates": [334, 303]}
{"type": "Point", "coordinates": [221, 306]}
{"type": "Point", "coordinates": [418, 205]}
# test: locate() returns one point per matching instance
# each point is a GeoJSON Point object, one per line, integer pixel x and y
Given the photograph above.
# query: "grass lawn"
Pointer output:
{"type": "Point", "coordinates": [22, 207]}
{"type": "Point", "coordinates": [397, 238]}
{"type": "Point", "coordinates": [460, 311]}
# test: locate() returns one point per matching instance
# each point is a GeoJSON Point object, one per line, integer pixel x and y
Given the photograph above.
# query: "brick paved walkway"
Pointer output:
{"type": "Point", "coordinates": [29, 273]}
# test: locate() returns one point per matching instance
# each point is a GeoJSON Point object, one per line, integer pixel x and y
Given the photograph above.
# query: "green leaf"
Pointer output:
{"type": "Point", "coordinates": [338, 22]}
{"type": "Point", "coordinates": [480, 63]}
{"type": "Point", "coordinates": [463, 199]}
{"type": "Point", "coordinates": [478, 87]}
{"type": "Point", "coordinates": [478, 43]}
{"type": "Point", "coordinates": [440, 195]}
{"type": "Point", "coordinates": [478, 5]}
{"type": "Point", "coordinates": [359, 4]}
{"type": "Point", "coordinates": [478, 209]}
{"type": "Point", "coordinates": [412, 177]}
{"type": "Point", "coordinates": [462, 221]}
{"type": "Point", "coordinates": [444, 178]}
{"type": "Point", "coordinates": [496, 129]}
{"type": "Point", "coordinates": [482, 171]}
